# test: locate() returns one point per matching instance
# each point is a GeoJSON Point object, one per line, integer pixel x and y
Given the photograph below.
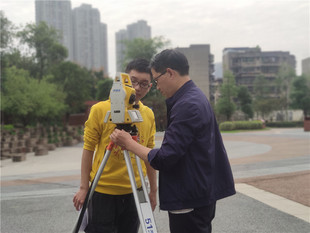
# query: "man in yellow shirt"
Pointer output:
{"type": "Point", "coordinates": [112, 208]}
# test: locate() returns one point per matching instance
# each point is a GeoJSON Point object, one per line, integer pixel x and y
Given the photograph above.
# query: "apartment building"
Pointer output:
{"type": "Point", "coordinates": [248, 63]}
{"type": "Point", "coordinates": [120, 48]}
{"type": "Point", "coordinates": [139, 29]}
{"type": "Point", "coordinates": [81, 31]}
{"type": "Point", "coordinates": [58, 15]}
{"type": "Point", "coordinates": [201, 66]}
{"type": "Point", "coordinates": [90, 38]}
{"type": "Point", "coordinates": [305, 66]}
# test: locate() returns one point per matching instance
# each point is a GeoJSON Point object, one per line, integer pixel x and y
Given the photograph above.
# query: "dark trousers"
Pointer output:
{"type": "Point", "coordinates": [197, 221]}
{"type": "Point", "coordinates": [112, 214]}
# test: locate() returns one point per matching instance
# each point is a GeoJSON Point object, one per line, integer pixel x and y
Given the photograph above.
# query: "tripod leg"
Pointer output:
{"type": "Point", "coordinates": [142, 179]}
{"type": "Point", "coordinates": [143, 207]}
{"type": "Point", "coordinates": [92, 187]}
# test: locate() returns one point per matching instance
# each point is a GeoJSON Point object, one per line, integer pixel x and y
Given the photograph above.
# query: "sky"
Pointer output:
{"type": "Point", "coordinates": [274, 25]}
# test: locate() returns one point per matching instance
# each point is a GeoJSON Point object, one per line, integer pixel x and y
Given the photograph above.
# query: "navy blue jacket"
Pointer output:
{"type": "Point", "coordinates": [194, 170]}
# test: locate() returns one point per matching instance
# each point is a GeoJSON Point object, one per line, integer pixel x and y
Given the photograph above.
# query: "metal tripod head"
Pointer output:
{"type": "Point", "coordinates": [129, 128]}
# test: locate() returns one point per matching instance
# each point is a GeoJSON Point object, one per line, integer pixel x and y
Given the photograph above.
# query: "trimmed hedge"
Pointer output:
{"type": "Point", "coordinates": [241, 125]}
{"type": "Point", "coordinates": [285, 124]}
{"type": "Point", "coordinates": [226, 126]}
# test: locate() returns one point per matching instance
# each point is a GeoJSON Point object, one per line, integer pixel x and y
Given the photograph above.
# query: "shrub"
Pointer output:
{"type": "Point", "coordinates": [285, 124]}
{"type": "Point", "coordinates": [241, 125]}
{"type": "Point", "coordinates": [8, 127]}
{"type": "Point", "coordinates": [227, 126]}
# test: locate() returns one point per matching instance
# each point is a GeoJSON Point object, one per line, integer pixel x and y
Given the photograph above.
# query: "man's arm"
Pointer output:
{"type": "Point", "coordinates": [152, 176]}
{"type": "Point", "coordinates": [124, 139]}
{"type": "Point", "coordinates": [86, 166]}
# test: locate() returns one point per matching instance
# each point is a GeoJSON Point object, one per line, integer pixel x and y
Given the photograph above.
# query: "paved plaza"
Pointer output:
{"type": "Point", "coordinates": [271, 170]}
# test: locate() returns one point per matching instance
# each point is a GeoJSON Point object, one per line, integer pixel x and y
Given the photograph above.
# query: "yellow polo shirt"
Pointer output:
{"type": "Point", "coordinates": [114, 179]}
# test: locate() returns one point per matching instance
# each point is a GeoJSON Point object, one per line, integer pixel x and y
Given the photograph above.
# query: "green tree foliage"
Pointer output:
{"type": "Point", "coordinates": [25, 100]}
{"type": "Point", "coordinates": [261, 87]}
{"type": "Point", "coordinates": [76, 82]}
{"type": "Point", "coordinates": [263, 103]}
{"type": "Point", "coordinates": [6, 33]}
{"type": "Point", "coordinates": [36, 55]}
{"type": "Point", "coordinates": [245, 101]}
{"type": "Point", "coordinates": [6, 37]}
{"type": "Point", "coordinates": [225, 105]}
{"type": "Point", "coordinates": [103, 89]}
{"type": "Point", "coordinates": [264, 106]}
{"type": "Point", "coordinates": [98, 76]}
{"type": "Point", "coordinates": [147, 48]}
{"type": "Point", "coordinates": [284, 83]}
{"type": "Point", "coordinates": [301, 94]}
{"type": "Point", "coordinates": [158, 104]}
{"type": "Point", "coordinates": [15, 58]}
{"type": "Point", "coordinates": [10, 53]}
{"type": "Point", "coordinates": [143, 48]}
{"type": "Point", "coordinates": [44, 46]}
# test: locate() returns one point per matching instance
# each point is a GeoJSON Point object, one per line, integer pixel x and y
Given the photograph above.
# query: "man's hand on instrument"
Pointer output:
{"type": "Point", "coordinates": [124, 140]}
{"type": "Point", "coordinates": [121, 138]}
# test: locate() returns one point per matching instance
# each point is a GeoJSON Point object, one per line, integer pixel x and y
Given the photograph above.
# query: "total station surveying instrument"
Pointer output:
{"type": "Point", "coordinates": [124, 112]}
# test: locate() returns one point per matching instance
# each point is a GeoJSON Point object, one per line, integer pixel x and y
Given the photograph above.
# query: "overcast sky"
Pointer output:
{"type": "Point", "coordinates": [274, 25]}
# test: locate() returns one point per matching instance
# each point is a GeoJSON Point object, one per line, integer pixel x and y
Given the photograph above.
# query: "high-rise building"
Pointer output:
{"type": "Point", "coordinates": [305, 66]}
{"type": "Point", "coordinates": [87, 33]}
{"type": "Point", "coordinates": [58, 15]}
{"type": "Point", "coordinates": [248, 63]}
{"type": "Point", "coordinates": [83, 34]}
{"type": "Point", "coordinates": [120, 36]}
{"type": "Point", "coordinates": [201, 67]}
{"type": "Point", "coordinates": [104, 47]}
{"type": "Point", "coordinates": [140, 29]}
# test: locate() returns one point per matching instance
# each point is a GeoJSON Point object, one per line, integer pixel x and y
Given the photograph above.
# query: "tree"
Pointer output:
{"type": "Point", "coordinates": [263, 102]}
{"type": "Point", "coordinates": [10, 53]}
{"type": "Point", "coordinates": [300, 95]}
{"type": "Point", "coordinates": [103, 89]}
{"type": "Point", "coordinates": [25, 100]}
{"type": "Point", "coordinates": [48, 102]}
{"type": "Point", "coordinates": [143, 48]}
{"type": "Point", "coordinates": [44, 41]}
{"type": "Point", "coordinates": [76, 82]}
{"type": "Point", "coordinates": [158, 104]}
{"type": "Point", "coordinates": [6, 33]}
{"type": "Point", "coordinates": [245, 101]}
{"type": "Point", "coordinates": [15, 58]}
{"type": "Point", "coordinates": [147, 48]}
{"type": "Point", "coordinates": [228, 90]}
{"type": "Point", "coordinates": [6, 38]}
{"type": "Point", "coordinates": [284, 82]}
{"type": "Point", "coordinates": [98, 77]}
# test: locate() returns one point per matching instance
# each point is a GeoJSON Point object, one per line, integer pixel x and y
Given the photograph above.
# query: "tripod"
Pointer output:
{"type": "Point", "coordinates": [142, 200]}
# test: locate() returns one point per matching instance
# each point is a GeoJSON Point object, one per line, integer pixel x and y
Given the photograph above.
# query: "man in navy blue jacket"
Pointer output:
{"type": "Point", "coordinates": [194, 171]}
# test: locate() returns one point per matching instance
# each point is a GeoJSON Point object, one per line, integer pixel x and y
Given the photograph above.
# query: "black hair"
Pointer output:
{"type": "Point", "coordinates": [139, 64]}
{"type": "Point", "coordinates": [170, 58]}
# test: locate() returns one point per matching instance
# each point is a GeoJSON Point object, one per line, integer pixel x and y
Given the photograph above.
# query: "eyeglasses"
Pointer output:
{"type": "Point", "coordinates": [156, 79]}
{"type": "Point", "coordinates": [143, 85]}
